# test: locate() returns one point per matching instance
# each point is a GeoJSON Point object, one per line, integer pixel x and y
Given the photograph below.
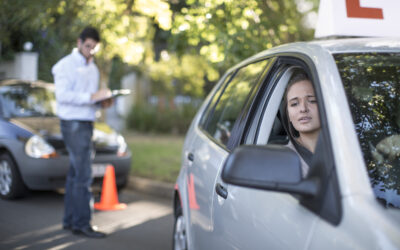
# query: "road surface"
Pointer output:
{"type": "Point", "coordinates": [34, 222]}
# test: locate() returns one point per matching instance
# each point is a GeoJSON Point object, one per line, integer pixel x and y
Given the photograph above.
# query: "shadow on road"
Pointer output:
{"type": "Point", "coordinates": [35, 223]}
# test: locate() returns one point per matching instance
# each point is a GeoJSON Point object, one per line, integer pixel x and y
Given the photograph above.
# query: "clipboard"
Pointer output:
{"type": "Point", "coordinates": [115, 93]}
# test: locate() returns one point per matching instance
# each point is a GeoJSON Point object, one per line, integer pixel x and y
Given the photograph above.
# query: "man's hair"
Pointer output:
{"type": "Point", "coordinates": [89, 32]}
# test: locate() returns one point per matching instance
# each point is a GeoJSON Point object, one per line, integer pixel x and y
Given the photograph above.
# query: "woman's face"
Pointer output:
{"type": "Point", "coordinates": [302, 107]}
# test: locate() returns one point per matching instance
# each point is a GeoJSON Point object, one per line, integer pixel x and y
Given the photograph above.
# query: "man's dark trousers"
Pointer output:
{"type": "Point", "coordinates": [77, 137]}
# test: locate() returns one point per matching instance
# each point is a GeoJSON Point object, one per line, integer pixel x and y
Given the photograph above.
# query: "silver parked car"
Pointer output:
{"type": "Point", "coordinates": [32, 153]}
{"type": "Point", "coordinates": [241, 188]}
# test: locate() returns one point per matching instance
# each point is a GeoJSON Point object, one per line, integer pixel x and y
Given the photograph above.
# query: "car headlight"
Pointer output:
{"type": "Point", "coordinates": [37, 147]}
{"type": "Point", "coordinates": [122, 146]}
{"type": "Point", "coordinates": [112, 139]}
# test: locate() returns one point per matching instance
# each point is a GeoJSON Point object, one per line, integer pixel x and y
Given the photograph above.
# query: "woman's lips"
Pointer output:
{"type": "Point", "coordinates": [305, 119]}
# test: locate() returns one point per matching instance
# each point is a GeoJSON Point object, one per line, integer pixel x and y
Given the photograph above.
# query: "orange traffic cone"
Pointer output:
{"type": "Point", "coordinates": [109, 195]}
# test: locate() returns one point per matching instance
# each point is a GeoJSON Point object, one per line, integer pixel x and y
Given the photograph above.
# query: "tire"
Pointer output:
{"type": "Point", "coordinates": [122, 185]}
{"type": "Point", "coordinates": [180, 237]}
{"type": "Point", "coordinates": [11, 184]}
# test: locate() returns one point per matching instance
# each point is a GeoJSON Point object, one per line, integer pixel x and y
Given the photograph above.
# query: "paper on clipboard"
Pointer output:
{"type": "Point", "coordinates": [115, 93]}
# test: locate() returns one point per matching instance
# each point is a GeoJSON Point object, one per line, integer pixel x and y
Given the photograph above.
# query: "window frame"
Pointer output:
{"type": "Point", "coordinates": [243, 114]}
{"type": "Point", "coordinates": [328, 203]}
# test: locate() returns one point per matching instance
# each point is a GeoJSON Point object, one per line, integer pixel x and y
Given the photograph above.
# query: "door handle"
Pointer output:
{"type": "Point", "coordinates": [221, 191]}
{"type": "Point", "coordinates": [190, 157]}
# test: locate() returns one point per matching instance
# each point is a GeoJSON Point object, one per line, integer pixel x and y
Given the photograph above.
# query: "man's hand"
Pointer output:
{"type": "Point", "coordinates": [107, 103]}
{"type": "Point", "coordinates": [101, 94]}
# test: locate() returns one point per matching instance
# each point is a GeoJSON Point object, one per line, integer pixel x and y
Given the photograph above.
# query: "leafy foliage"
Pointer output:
{"type": "Point", "coordinates": [200, 38]}
{"type": "Point", "coordinates": [149, 118]}
{"type": "Point", "coordinates": [225, 31]}
{"type": "Point", "coordinates": [127, 28]}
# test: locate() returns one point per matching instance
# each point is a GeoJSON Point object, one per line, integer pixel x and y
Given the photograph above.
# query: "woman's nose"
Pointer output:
{"type": "Point", "coordinates": [303, 107]}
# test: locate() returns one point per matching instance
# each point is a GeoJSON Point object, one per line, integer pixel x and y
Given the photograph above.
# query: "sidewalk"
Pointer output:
{"type": "Point", "coordinates": [153, 187]}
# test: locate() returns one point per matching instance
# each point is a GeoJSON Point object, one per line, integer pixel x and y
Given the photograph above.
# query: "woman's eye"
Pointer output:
{"type": "Point", "coordinates": [293, 104]}
{"type": "Point", "coordinates": [313, 101]}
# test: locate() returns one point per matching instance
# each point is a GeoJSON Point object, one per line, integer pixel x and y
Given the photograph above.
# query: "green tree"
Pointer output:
{"type": "Point", "coordinates": [181, 45]}
{"type": "Point", "coordinates": [127, 28]}
{"type": "Point", "coordinates": [225, 32]}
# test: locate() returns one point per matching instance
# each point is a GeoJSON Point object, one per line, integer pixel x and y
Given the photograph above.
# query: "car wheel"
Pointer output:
{"type": "Point", "coordinates": [180, 240]}
{"type": "Point", "coordinates": [122, 185]}
{"type": "Point", "coordinates": [11, 184]}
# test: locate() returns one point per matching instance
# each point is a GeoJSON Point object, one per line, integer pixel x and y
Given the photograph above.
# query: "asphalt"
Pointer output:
{"type": "Point", "coordinates": [152, 187]}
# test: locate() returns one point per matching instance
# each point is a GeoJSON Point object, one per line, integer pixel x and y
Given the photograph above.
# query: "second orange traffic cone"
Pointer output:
{"type": "Point", "coordinates": [109, 195]}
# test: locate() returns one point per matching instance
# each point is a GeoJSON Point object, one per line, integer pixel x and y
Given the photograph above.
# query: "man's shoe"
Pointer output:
{"type": "Point", "coordinates": [89, 232]}
{"type": "Point", "coordinates": [67, 227]}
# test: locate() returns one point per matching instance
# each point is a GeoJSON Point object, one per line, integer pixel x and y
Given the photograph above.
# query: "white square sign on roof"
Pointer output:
{"type": "Point", "coordinates": [365, 18]}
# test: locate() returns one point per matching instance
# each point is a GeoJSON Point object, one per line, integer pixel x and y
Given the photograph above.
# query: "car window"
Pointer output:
{"type": "Point", "coordinates": [207, 113]}
{"type": "Point", "coordinates": [271, 131]}
{"type": "Point", "coordinates": [231, 102]}
{"type": "Point", "coordinates": [27, 101]}
{"type": "Point", "coordinates": [317, 164]}
{"type": "Point", "coordinates": [372, 85]}
{"type": "Point", "coordinates": [275, 126]}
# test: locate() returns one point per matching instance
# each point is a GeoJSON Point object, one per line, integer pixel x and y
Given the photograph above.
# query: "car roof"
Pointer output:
{"type": "Point", "coordinates": [333, 46]}
{"type": "Point", "coordinates": [358, 45]}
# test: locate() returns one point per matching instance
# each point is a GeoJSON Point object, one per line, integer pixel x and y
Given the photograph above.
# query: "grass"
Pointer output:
{"type": "Point", "coordinates": [155, 156]}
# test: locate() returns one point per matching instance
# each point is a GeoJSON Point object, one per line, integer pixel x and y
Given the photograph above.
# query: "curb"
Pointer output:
{"type": "Point", "coordinates": [149, 186]}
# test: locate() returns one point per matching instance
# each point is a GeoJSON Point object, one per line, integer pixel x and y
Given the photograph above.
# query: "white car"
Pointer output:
{"type": "Point", "coordinates": [241, 188]}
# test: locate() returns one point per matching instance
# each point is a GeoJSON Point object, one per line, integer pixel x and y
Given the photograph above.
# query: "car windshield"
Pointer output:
{"type": "Point", "coordinates": [372, 85]}
{"type": "Point", "coordinates": [27, 101]}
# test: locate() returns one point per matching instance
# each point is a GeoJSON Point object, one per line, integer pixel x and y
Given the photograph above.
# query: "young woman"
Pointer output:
{"type": "Point", "coordinates": [303, 118]}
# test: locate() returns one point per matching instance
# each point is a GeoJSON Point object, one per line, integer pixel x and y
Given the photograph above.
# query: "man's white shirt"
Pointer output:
{"type": "Point", "coordinates": [75, 82]}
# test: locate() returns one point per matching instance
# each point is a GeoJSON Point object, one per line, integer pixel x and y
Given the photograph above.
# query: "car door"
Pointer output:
{"type": "Point", "coordinates": [213, 137]}
{"type": "Point", "coordinates": [248, 218]}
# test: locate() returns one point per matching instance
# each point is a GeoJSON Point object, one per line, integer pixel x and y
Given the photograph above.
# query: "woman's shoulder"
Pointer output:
{"type": "Point", "coordinates": [304, 166]}
{"type": "Point", "coordinates": [291, 146]}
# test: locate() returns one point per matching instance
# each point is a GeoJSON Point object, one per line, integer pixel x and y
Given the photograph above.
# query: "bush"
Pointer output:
{"type": "Point", "coordinates": [151, 118]}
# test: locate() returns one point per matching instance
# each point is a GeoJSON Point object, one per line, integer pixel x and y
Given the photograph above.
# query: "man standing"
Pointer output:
{"type": "Point", "coordinates": [76, 79]}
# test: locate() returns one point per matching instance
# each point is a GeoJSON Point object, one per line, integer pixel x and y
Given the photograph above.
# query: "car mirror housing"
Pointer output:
{"type": "Point", "coordinates": [269, 167]}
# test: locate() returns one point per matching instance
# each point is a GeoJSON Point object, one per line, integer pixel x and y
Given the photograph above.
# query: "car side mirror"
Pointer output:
{"type": "Point", "coordinates": [269, 167]}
